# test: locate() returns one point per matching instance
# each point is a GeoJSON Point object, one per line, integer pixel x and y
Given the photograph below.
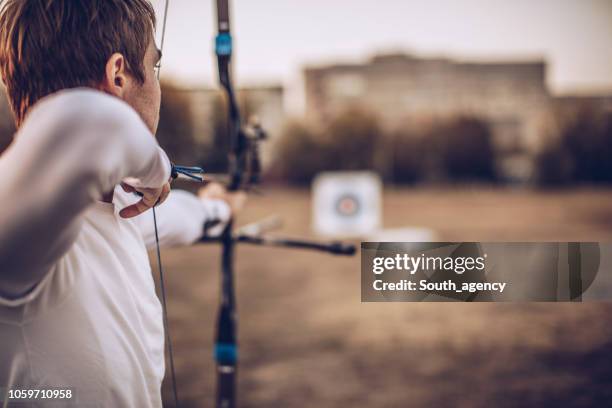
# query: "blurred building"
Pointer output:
{"type": "Point", "coordinates": [512, 97]}
{"type": "Point", "coordinates": [265, 102]}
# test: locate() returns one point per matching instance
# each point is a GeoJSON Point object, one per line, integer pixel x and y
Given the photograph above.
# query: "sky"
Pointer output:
{"type": "Point", "coordinates": [274, 39]}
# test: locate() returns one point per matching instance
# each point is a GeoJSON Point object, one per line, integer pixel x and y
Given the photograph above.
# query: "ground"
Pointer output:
{"type": "Point", "coordinates": [306, 340]}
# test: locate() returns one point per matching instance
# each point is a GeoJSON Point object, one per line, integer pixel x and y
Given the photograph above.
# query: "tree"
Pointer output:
{"type": "Point", "coordinates": [582, 151]}
{"type": "Point", "coordinates": [463, 149]}
{"type": "Point", "coordinates": [348, 142]}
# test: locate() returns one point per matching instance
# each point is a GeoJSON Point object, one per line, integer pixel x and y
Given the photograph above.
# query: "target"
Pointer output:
{"type": "Point", "coordinates": [346, 203]}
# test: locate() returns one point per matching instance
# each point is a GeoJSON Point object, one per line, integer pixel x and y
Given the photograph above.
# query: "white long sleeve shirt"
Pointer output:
{"type": "Point", "coordinates": [92, 321]}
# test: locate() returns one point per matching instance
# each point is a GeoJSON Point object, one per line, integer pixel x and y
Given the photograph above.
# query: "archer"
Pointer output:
{"type": "Point", "coordinates": [78, 307]}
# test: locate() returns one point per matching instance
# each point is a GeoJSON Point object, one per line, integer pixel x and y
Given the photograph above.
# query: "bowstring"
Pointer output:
{"type": "Point", "coordinates": [163, 34]}
{"type": "Point", "coordinates": [162, 283]}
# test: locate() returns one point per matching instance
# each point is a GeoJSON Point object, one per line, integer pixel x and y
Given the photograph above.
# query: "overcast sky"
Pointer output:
{"type": "Point", "coordinates": [275, 38]}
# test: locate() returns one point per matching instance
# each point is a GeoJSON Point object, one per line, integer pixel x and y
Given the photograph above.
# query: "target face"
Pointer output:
{"type": "Point", "coordinates": [346, 203]}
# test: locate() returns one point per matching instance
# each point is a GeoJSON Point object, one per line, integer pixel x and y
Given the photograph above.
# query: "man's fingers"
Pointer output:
{"type": "Point", "coordinates": [134, 209]}
{"type": "Point", "coordinates": [150, 198]}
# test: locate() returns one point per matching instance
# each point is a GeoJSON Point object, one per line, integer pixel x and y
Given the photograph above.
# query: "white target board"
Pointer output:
{"type": "Point", "coordinates": [347, 203]}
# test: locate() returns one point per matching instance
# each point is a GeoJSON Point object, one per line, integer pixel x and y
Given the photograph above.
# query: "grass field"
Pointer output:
{"type": "Point", "coordinates": [306, 340]}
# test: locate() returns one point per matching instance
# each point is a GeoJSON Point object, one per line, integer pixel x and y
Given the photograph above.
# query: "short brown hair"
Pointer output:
{"type": "Point", "coordinates": [49, 45]}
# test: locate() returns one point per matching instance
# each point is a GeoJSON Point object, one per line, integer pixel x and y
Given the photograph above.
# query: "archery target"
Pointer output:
{"type": "Point", "coordinates": [346, 203]}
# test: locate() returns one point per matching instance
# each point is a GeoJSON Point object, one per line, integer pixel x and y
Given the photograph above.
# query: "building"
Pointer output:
{"type": "Point", "coordinates": [511, 96]}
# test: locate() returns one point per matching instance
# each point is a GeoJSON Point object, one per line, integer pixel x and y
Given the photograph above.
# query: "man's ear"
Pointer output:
{"type": "Point", "coordinates": [115, 79]}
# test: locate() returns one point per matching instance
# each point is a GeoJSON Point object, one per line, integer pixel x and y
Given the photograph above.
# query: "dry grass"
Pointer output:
{"type": "Point", "coordinates": [307, 341]}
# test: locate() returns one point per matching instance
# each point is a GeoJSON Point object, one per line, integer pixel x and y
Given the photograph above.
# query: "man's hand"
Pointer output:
{"type": "Point", "coordinates": [235, 200]}
{"type": "Point", "coordinates": [150, 198]}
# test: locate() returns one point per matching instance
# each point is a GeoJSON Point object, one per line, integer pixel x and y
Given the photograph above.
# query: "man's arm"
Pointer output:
{"type": "Point", "coordinates": [181, 219]}
{"type": "Point", "coordinates": [73, 147]}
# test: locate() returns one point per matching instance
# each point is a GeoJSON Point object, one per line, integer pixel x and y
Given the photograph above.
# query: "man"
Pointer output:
{"type": "Point", "coordinates": [78, 308]}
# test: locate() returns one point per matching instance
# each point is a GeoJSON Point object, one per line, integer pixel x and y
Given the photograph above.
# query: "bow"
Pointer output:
{"type": "Point", "coordinates": [244, 164]}
{"type": "Point", "coordinates": [243, 174]}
